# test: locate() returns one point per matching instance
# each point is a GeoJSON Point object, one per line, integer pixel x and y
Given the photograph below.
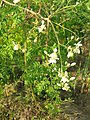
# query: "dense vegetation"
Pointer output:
{"type": "Point", "coordinates": [44, 56]}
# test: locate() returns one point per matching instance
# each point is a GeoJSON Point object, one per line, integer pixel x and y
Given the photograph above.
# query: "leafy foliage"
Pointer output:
{"type": "Point", "coordinates": [40, 41]}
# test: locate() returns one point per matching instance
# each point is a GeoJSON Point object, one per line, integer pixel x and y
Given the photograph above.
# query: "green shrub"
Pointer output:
{"type": "Point", "coordinates": [39, 44]}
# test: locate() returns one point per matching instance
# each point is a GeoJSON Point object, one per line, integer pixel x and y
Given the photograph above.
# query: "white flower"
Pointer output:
{"type": "Point", "coordinates": [77, 3]}
{"type": "Point", "coordinates": [16, 1]}
{"type": "Point", "coordinates": [16, 47]}
{"type": "Point", "coordinates": [54, 69]}
{"type": "Point", "coordinates": [42, 27]}
{"type": "Point", "coordinates": [79, 44]}
{"type": "Point", "coordinates": [64, 79]}
{"type": "Point", "coordinates": [72, 78]}
{"type": "Point", "coordinates": [77, 39]}
{"type": "Point", "coordinates": [67, 38]}
{"type": "Point", "coordinates": [72, 37]}
{"type": "Point", "coordinates": [53, 57]}
{"type": "Point", "coordinates": [45, 52]}
{"type": "Point", "coordinates": [73, 50]}
{"type": "Point", "coordinates": [70, 54]}
{"type": "Point", "coordinates": [66, 74]}
{"type": "Point", "coordinates": [52, 61]}
{"type": "Point", "coordinates": [65, 87]}
{"type": "Point", "coordinates": [23, 50]}
{"type": "Point", "coordinates": [42, 22]}
{"type": "Point", "coordinates": [58, 84]}
{"type": "Point", "coordinates": [55, 50]}
{"type": "Point", "coordinates": [69, 48]}
{"type": "Point", "coordinates": [76, 50]}
{"type": "Point", "coordinates": [73, 64]}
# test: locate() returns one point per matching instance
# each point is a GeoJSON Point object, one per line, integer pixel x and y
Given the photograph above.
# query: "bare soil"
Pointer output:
{"type": "Point", "coordinates": [76, 110]}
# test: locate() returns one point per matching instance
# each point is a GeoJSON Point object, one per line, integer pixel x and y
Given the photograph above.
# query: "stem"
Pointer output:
{"type": "Point", "coordinates": [25, 46]}
{"type": "Point", "coordinates": [59, 51]}
{"type": "Point", "coordinates": [47, 31]}
{"type": "Point", "coordinates": [63, 8]}
{"type": "Point", "coordinates": [65, 28]}
{"type": "Point", "coordinates": [59, 9]}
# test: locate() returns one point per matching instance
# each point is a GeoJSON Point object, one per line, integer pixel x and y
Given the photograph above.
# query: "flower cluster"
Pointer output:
{"type": "Point", "coordinates": [64, 83]}
{"type": "Point", "coordinates": [75, 49]}
{"type": "Point", "coordinates": [42, 27]}
{"type": "Point", "coordinates": [52, 57]}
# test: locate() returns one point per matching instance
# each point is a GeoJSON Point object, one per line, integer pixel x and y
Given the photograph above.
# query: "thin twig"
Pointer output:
{"type": "Point", "coordinates": [59, 50]}
{"type": "Point", "coordinates": [65, 28]}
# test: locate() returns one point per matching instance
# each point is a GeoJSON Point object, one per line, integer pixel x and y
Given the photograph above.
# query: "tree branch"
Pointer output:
{"type": "Point", "coordinates": [25, 9]}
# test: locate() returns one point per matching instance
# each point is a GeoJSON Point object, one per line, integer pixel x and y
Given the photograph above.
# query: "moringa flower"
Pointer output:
{"type": "Point", "coordinates": [16, 47]}
{"type": "Point", "coordinates": [73, 64]}
{"type": "Point", "coordinates": [65, 87]}
{"type": "Point", "coordinates": [72, 78]}
{"type": "Point", "coordinates": [53, 57]}
{"type": "Point", "coordinates": [77, 3]}
{"type": "Point", "coordinates": [69, 48]}
{"type": "Point", "coordinates": [72, 50]}
{"type": "Point", "coordinates": [52, 61]}
{"type": "Point", "coordinates": [77, 48]}
{"type": "Point", "coordinates": [58, 84]}
{"type": "Point", "coordinates": [79, 44]}
{"type": "Point", "coordinates": [16, 1]}
{"type": "Point", "coordinates": [67, 64]}
{"type": "Point", "coordinates": [55, 50]}
{"type": "Point", "coordinates": [70, 54]}
{"type": "Point", "coordinates": [42, 27]}
{"type": "Point", "coordinates": [72, 37]}
{"type": "Point", "coordinates": [45, 52]}
{"type": "Point", "coordinates": [64, 79]}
